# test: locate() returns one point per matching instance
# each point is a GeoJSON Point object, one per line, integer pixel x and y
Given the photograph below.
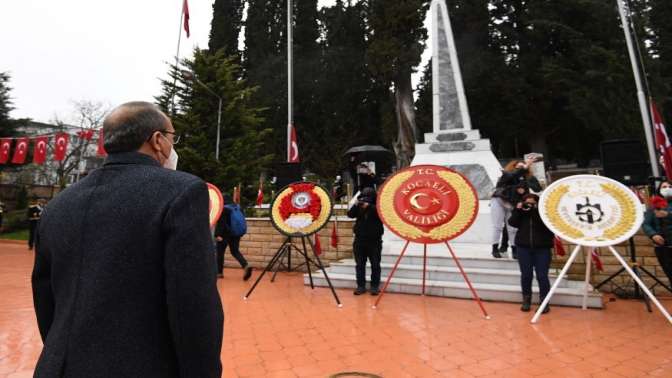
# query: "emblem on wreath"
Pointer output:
{"type": "Point", "coordinates": [428, 204]}
{"type": "Point", "coordinates": [301, 208]}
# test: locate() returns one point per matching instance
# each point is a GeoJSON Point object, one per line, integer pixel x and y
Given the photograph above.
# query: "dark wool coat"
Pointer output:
{"type": "Point", "coordinates": [368, 226]}
{"type": "Point", "coordinates": [532, 232]}
{"type": "Point", "coordinates": [124, 281]}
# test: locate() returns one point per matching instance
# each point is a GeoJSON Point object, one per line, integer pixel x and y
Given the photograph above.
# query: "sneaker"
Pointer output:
{"type": "Point", "coordinates": [359, 291]}
{"type": "Point", "coordinates": [374, 291]}
{"type": "Point", "coordinates": [248, 273]}
{"type": "Point", "coordinates": [546, 309]}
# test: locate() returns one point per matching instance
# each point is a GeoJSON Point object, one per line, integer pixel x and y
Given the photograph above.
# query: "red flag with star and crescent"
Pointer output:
{"type": "Point", "coordinates": [292, 145]}
{"type": "Point", "coordinates": [185, 14]}
{"type": "Point", "coordinates": [260, 195]}
{"type": "Point", "coordinates": [40, 150]}
{"type": "Point", "coordinates": [662, 140]}
{"type": "Point", "coordinates": [101, 144]}
{"type": "Point", "coordinates": [61, 147]}
{"type": "Point", "coordinates": [20, 151]}
{"type": "Point", "coordinates": [5, 146]}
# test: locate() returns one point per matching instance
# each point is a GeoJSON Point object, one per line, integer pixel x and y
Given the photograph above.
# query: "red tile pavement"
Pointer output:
{"type": "Point", "coordinates": [287, 330]}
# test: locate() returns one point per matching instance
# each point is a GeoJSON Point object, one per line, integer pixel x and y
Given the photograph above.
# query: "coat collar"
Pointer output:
{"type": "Point", "coordinates": [130, 158]}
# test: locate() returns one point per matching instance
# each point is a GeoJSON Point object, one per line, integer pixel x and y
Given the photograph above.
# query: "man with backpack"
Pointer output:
{"type": "Point", "coordinates": [230, 228]}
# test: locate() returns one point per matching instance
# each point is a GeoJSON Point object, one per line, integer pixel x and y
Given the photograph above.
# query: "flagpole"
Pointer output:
{"type": "Point", "coordinates": [643, 106]}
{"type": "Point", "coordinates": [290, 79]}
{"type": "Point", "coordinates": [177, 60]}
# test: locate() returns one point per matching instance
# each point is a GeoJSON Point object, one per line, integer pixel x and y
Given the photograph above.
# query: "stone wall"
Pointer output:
{"type": "Point", "coordinates": [262, 241]}
{"type": "Point", "coordinates": [645, 256]}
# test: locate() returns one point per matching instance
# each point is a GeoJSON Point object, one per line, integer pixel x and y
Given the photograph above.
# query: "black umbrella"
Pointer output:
{"type": "Point", "coordinates": [367, 149]}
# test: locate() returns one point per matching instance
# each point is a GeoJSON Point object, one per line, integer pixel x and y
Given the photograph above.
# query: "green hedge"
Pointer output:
{"type": "Point", "coordinates": [14, 221]}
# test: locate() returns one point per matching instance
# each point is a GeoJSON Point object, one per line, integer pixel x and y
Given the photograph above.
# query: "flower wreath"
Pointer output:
{"type": "Point", "coordinates": [287, 208]}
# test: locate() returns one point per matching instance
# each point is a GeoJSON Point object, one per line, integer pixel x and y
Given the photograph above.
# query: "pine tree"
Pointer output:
{"type": "Point", "coordinates": [396, 42]}
{"type": "Point", "coordinates": [265, 65]}
{"type": "Point", "coordinates": [661, 54]}
{"type": "Point", "coordinates": [572, 85]}
{"type": "Point", "coordinates": [227, 20]}
{"type": "Point", "coordinates": [424, 104]}
{"type": "Point", "coordinates": [7, 125]}
{"type": "Point", "coordinates": [244, 145]}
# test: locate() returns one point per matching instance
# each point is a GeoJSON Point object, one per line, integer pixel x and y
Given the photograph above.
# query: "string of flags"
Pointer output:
{"type": "Point", "coordinates": [40, 143]}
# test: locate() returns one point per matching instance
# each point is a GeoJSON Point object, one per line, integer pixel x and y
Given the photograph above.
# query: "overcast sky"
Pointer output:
{"type": "Point", "coordinates": [109, 51]}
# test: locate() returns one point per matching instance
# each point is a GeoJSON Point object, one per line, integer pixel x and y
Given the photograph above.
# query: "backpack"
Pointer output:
{"type": "Point", "coordinates": [237, 218]}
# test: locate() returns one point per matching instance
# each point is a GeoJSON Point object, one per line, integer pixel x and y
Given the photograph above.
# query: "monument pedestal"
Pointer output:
{"type": "Point", "coordinates": [466, 152]}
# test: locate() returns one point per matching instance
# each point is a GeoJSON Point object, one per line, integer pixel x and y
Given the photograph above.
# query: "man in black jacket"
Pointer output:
{"type": "Point", "coordinates": [34, 212]}
{"type": "Point", "coordinates": [533, 243]}
{"type": "Point", "coordinates": [124, 282]}
{"type": "Point", "coordinates": [368, 243]}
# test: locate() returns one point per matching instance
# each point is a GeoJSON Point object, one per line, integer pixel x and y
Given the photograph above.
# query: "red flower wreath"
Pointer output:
{"type": "Point", "coordinates": [287, 208]}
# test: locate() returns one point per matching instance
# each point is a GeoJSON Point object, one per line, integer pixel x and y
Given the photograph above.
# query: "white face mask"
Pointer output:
{"type": "Point", "coordinates": [666, 192]}
{"type": "Point", "coordinates": [171, 162]}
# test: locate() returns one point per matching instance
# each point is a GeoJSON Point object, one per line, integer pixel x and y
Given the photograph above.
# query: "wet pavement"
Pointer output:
{"type": "Point", "coordinates": [288, 330]}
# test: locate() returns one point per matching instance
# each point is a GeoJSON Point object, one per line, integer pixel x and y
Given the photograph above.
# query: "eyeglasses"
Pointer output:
{"type": "Point", "coordinates": [176, 136]}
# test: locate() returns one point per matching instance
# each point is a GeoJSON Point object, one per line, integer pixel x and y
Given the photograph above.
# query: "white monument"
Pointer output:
{"type": "Point", "coordinates": [453, 143]}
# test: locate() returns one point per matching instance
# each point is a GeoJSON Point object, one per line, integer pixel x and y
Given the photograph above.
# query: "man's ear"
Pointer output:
{"type": "Point", "coordinates": [154, 141]}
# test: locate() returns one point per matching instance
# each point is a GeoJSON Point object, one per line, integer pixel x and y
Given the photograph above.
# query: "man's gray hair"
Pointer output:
{"type": "Point", "coordinates": [130, 125]}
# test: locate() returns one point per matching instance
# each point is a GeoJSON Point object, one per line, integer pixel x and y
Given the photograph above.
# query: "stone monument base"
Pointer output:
{"type": "Point", "coordinates": [466, 152]}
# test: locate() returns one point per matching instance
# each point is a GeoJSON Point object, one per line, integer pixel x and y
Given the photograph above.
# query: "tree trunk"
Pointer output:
{"type": "Point", "coordinates": [404, 147]}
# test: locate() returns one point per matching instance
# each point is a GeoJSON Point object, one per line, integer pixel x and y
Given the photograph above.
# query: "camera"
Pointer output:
{"type": "Point", "coordinates": [528, 206]}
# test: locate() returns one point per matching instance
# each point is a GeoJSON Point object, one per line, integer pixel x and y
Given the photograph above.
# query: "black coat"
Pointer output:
{"type": "Point", "coordinates": [510, 181]}
{"type": "Point", "coordinates": [223, 227]}
{"type": "Point", "coordinates": [368, 226]}
{"type": "Point", "coordinates": [124, 282]}
{"type": "Point", "coordinates": [532, 232]}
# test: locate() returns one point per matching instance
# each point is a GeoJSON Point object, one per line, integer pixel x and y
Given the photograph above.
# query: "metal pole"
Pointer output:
{"type": "Point", "coordinates": [641, 284]}
{"type": "Point", "coordinates": [219, 124]}
{"type": "Point", "coordinates": [586, 284]}
{"type": "Point", "coordinates": [643, 105]}
{"type": "Point", "coordinates": [558, 279]}
{"type": "Point", "coordinates": [467, 281]}
{"type": "Point", "coordinates": [177, 61]}
{"type": "Point", "coordinates": [290, 77]}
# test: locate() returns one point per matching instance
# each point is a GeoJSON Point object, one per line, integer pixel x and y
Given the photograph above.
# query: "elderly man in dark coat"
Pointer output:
{"type": "Point", "coordinates": [124, 281]}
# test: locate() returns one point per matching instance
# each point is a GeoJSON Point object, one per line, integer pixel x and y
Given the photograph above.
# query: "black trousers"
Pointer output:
{"type": "Point", "coordinates": [371, 250]}
{"type": "Point", "coordinates": [233, 242]}
{"type": "Point", "coordinates": [664, 255]}
{"type": "Point", "coordinates": [31, 233]}
{"type": "Point", "coordinates": [539, 261]}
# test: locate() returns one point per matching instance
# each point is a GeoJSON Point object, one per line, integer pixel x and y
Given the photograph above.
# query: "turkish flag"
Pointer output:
{"type": "Point", "coordinates": [292, 145]}
{"type": "Point", "coordinates": [559, 248]}
{"type": "Point", "coordinates": [61, 148]}
{"type": "Point", "coordinates": [20, 151]}
{"type": "Point", "coordinates": [334, 236]}
{"type": "Point", "coordinates": [662, 140]}
{"type": "Point", "coordinates": [40, 150]}
{"type": "Point", "coordinates": [5, 146]}
{"type": "Point", "coordinates": [185, 14]}
{"type": "Point", "coordinates": [85, 134]}
{"type": "Point", "coordinates": [318, 246]}
{"type": "Point", "coordinates": [260, 195]}
{"type": "Point", "coordinates": [596, 259]}
{"type": "Point", "coordinates": [101, 144]}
